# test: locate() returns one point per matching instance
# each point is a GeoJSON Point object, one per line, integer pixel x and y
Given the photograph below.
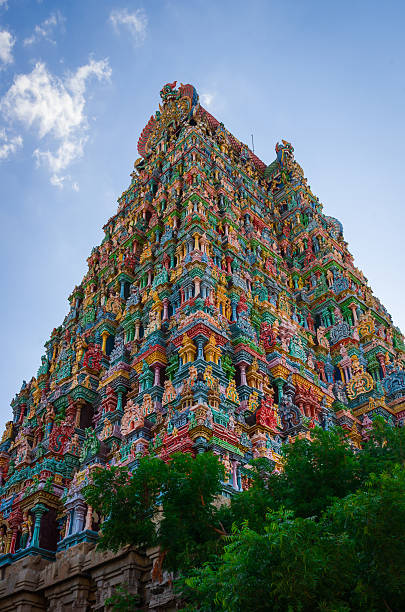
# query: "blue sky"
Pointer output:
{"type": "Point", "coordinates": [79, 80]}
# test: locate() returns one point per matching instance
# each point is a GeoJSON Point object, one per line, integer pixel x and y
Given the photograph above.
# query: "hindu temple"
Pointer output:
{"type": "Point", "coordinates": [221, 312]}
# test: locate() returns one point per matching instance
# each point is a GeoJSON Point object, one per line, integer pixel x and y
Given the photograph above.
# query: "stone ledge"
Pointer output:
{"type": "Point", "coordinates": [82, 578]}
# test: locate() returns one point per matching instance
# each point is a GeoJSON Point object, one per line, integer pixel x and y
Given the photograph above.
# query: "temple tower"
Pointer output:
{"type": "Point", "coordinates": [222, 311]}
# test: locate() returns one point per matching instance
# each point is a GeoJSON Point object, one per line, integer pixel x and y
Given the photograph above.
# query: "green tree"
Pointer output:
{"type": "Point", "coordinates": [128, 502]}
{"type": "Point", "coordinates": [352, 559]}
{"type": "Point", "coordinates": [384, 448]}
{"type": "Point", "coordinates": [316, 471]}
{"type": "Point", "coordinates": [252, 505]}
{"type": "Point", "coordinates": [294, 565]}
{"type": "Point", "coordinates": [327, 534]}
{"type": "Point", "coordinates": [123, 601]}
{"type": "Point", "coordinates": [374, 520]}
{"type": "Point", "coordinates": [172, 505]}
{"type": "Point", "coordinates": [189, 528]}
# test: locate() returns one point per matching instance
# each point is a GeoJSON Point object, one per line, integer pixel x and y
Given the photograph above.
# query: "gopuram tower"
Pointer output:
{"type": "Point", "coordinates": [222, 312]}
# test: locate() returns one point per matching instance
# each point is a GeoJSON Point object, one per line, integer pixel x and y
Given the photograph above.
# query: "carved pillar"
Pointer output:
{"type": "Point", "coordinates": [381, 361]}
{"type": "Point", "coordinates": [67, 525]}
{"type": "Point", "coordinates": [137, 328]}
{"type": "Point", "coordinates": [38, 511]}
{"type": "Point", "coordinates": [354, 313]}
{"type": "Point", "coordinates": [22, 412]}
{"type": "Point", "coordinates": [78, 407]}
{"type": "Point", "coordinates": [233, 310]}
{"type": "Point", "coordinates": [234, 475]}
{"type": "Point", "coordinates": [156, 381]}
{"type": "Point", "coordinates": [89, 519]}
{"type": "Point", "coordinates": [104, 336]}
{"type": "Point", "coordinates": [280, 384]}
{"type": "Point", "coordinates": [120, 391]}
{"type": "Point", "coordinates": [165, 309]}
{"type": "Point", "coordinates": [200, 348]}
{"type": "Point", "coordinates": [79, 515]}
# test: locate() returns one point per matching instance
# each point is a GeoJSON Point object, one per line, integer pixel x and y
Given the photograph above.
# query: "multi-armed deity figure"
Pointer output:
{"type": "Point", "coordinates": [222, 312]}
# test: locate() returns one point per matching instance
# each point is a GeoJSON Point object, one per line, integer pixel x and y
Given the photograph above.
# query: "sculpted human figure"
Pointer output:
{"type": "Point", "coordinates": [26, 529]}
{"type": "Point", "coordinates": [3, 539]}
{"type": "Point", "coordinates": [320, 336]}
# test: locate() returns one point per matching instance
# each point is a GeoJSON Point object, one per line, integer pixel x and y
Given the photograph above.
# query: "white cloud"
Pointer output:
{"type": "Point", "coordinates": [207, 99]}
{"type": "Point", "coordinates": [45, 29]}
{"type": "Point", "coordinates": [55, 108]}
{"type": "Point", "coordinates": [135, 22]}
{"type": "Point", "coordinates": [8, 145]}
{"type": "Point", "coordinates": [3, 3]}
{"type": "Point", "coordinates": [66, 153]}
{"type": "Point", "coordinates": [58, 181]}
{"type": "Point", "coordinates": [6, 46]}
{"type": "Point", "coordinates": [54, 105]}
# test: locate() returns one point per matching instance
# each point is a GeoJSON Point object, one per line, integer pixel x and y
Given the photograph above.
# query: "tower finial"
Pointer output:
{"type": "Point", "coordinates": [168, 91]}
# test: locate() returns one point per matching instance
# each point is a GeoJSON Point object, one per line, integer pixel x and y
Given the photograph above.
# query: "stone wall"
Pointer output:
{"type": "Point", "coordinates": [81, 579]}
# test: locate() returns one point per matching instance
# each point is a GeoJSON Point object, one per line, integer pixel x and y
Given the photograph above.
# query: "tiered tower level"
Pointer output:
{"type": "Point", "coordinates": [222, 311]}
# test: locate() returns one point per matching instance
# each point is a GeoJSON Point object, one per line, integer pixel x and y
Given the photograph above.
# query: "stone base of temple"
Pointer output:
{"type": "Point", "coordinates": [82, 578]}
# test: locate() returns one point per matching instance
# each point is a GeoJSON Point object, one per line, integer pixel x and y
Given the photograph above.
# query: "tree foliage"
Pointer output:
{"type": "Point", "coordinates": [294, 564]}
{"type": "Point", "coordinates": [317, 471]}
{"type": "Point", "coordinates": [189, 527]}
{"type": "Point", "coordinates": [172, 505]}
{"type": "Point", "coordinates": [122, 600]}
{"type": "Point", "coordinates": [128, 502]}
{"type": "Point", "coordinates": [384, 448]}
{"type": "Point", "coordinates": [374, 520]}
{"type": "Point", "coordinates": [327, 534]}
{"type": "Point", "coordinates": [353, 558]}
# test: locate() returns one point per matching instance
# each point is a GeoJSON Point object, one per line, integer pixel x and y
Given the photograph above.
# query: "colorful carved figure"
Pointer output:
{"type": "Point", "coordinates": [26, 530]}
